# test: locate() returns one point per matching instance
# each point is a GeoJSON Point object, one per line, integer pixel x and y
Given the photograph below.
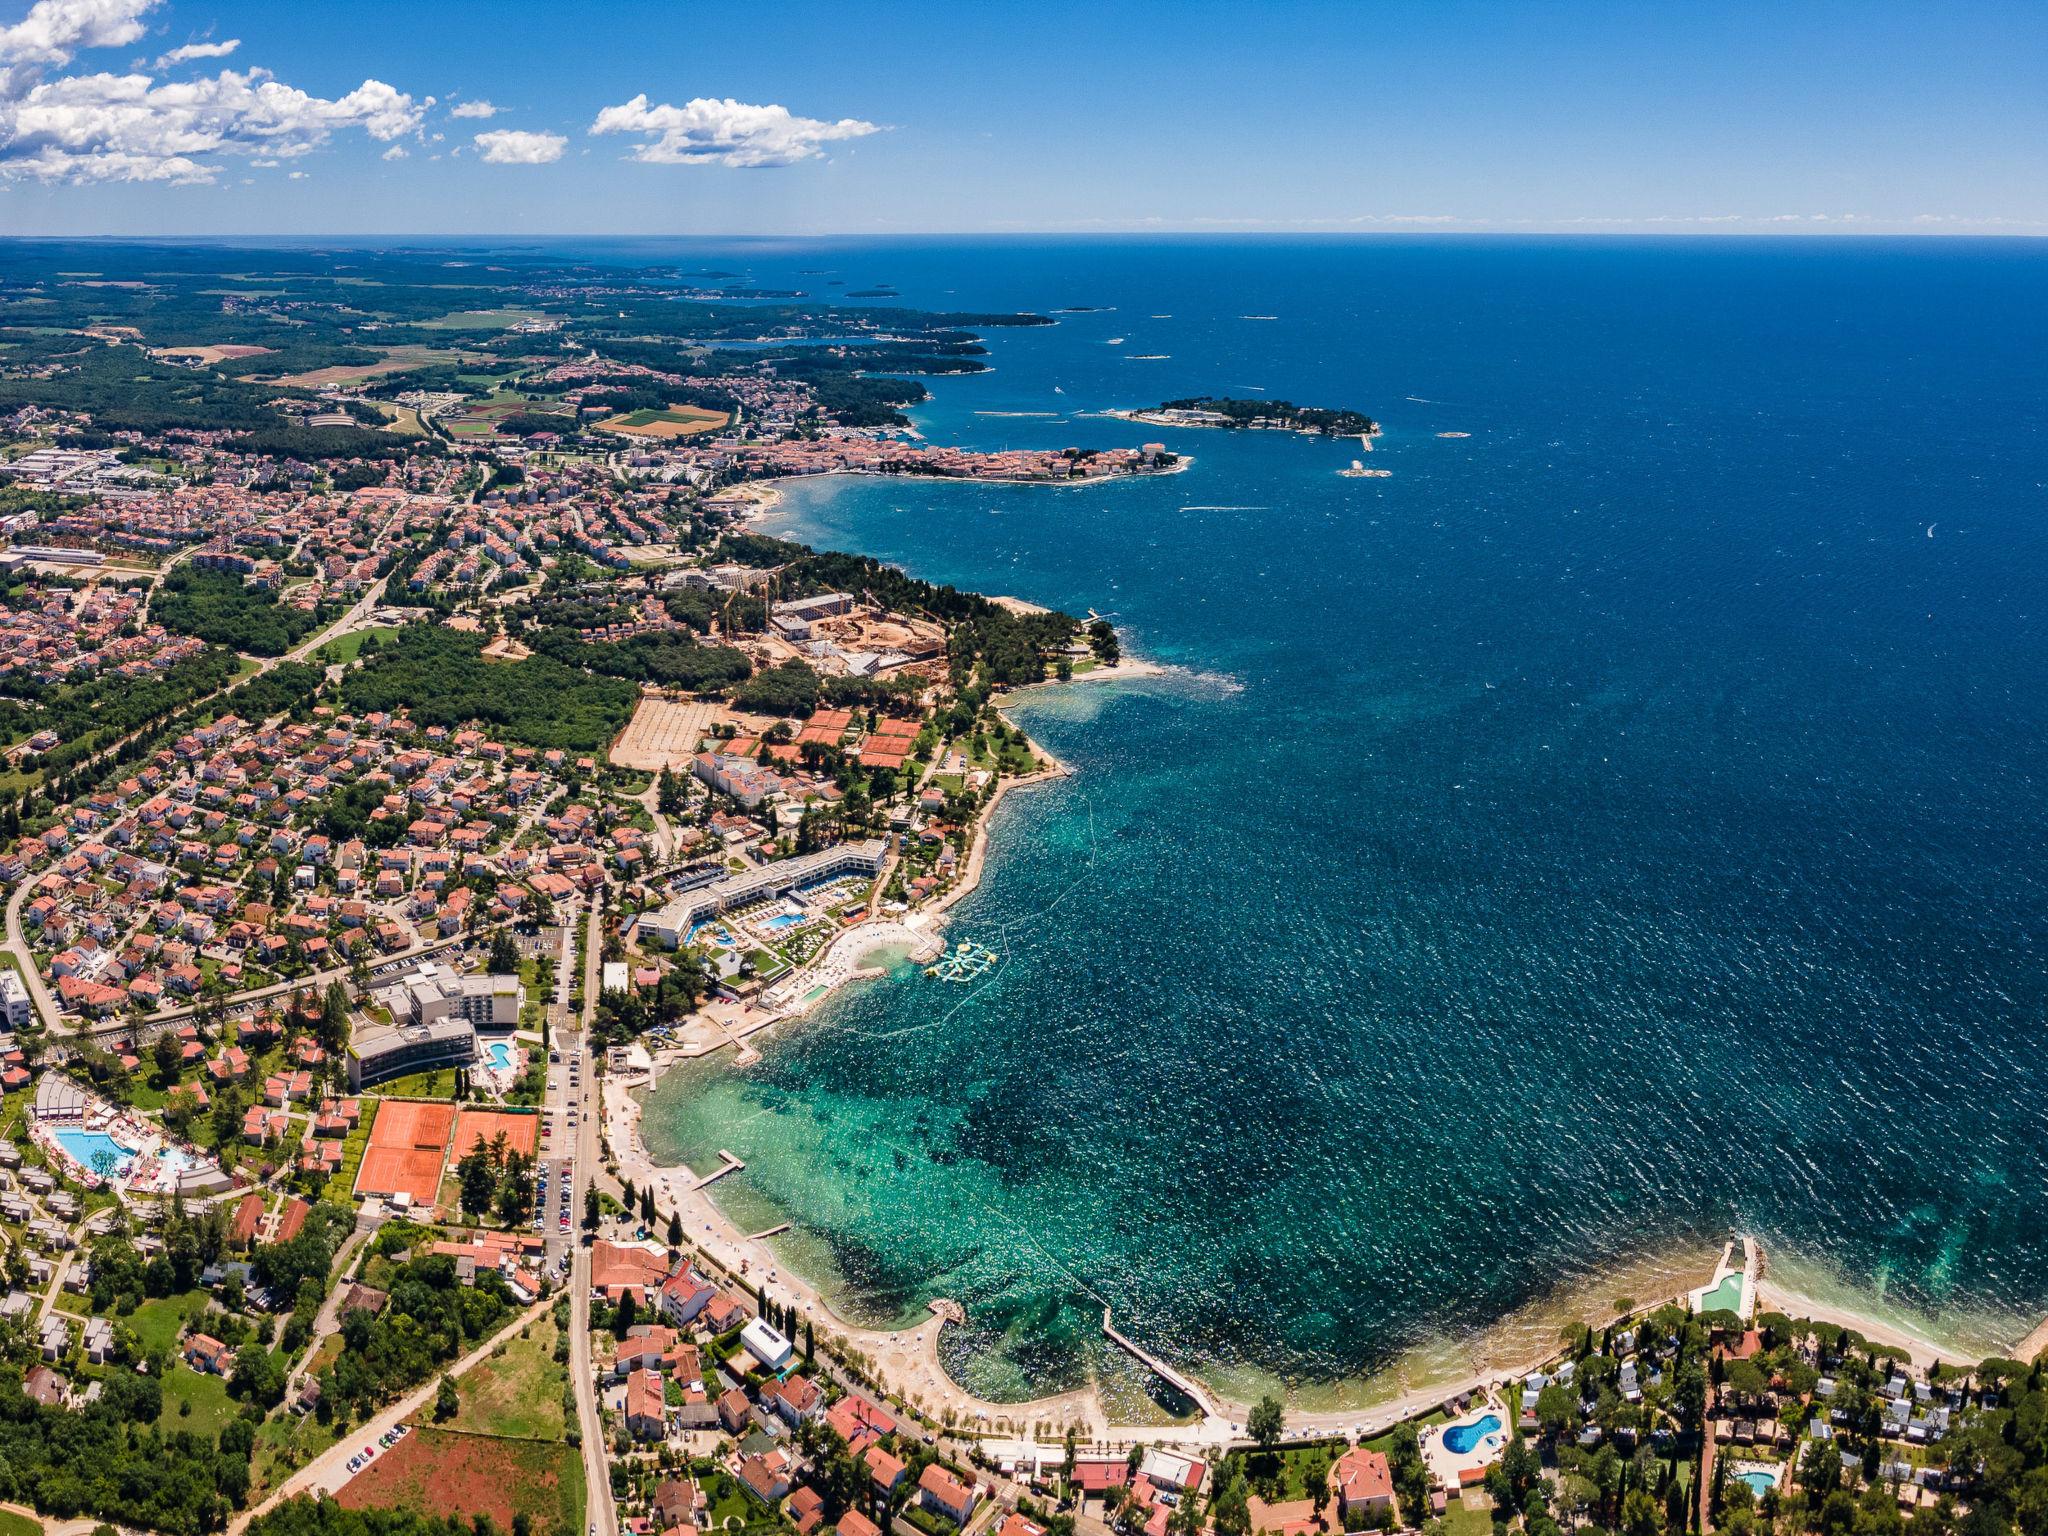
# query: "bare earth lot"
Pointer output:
{"type": "Point", "coordinates": [663, 733]}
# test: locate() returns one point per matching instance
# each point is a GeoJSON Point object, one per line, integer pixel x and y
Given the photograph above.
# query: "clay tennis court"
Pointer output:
{"type": "Point", "coordinates": [408, 1144]}
{"type": "Point", "coordinates": [521, 1132]}
{"type": "Point", "coordinates": [663, 733]}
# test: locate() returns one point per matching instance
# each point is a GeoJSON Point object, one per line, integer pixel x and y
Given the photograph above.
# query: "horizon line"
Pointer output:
{"type": "Point", "coordinates": [1837, 233]}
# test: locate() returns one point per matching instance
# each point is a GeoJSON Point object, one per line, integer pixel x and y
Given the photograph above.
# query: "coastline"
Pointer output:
{"type": "Point", "coordinates": [768, 497]}
{"type": "Point", "coordinates": [907, 1359]}
{"type": "Point", "coordinates": [906, 1362]}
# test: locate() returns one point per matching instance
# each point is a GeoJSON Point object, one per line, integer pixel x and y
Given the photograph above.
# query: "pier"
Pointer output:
{"type": "Point", "coordinates": [727, 1163]}
{"type": "Point", "coordinates": [775, 1231]}
{"type": "Point", "coordinates": [1180, 1381]}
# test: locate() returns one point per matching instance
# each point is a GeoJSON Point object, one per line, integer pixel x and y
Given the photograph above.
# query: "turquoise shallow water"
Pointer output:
{"type": "Point", "coordinates": [1621, 824]}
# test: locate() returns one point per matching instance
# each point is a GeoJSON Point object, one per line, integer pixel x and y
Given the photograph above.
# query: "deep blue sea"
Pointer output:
{"type": "Point", "coordinates": [1622, 824]}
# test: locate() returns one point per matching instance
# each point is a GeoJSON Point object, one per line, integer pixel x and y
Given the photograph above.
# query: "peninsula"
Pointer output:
{"type": "Point", "coordinates": [1256, 415]}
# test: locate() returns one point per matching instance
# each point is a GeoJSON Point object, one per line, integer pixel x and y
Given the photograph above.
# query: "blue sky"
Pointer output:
{"type": "Point", "coordinates": [136, 117]}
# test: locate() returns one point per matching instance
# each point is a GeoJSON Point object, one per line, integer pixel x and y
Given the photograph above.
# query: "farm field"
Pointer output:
{"type": "Point", "coordinates": [396, 360]}
{"type": "Point", "coordinates": [479, 319]}
{"type": "Point", "coordinates": [443, 1472]}
{"type": "Point", "coordinates": [676, 421]}
{"type": "Point", "coordinates": [481, 418]}
{"type": "Point", "coordinates": [213, 354]}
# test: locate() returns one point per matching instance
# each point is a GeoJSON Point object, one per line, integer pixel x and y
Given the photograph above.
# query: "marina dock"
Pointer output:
{"type": "Point", "coordinates": [1180, 1381]}
{"type": "Point", "coordinates": [727, 1163]}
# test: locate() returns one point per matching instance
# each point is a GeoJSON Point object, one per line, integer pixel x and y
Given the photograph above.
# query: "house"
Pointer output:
{"type": "Point", "coordinates": [203, 1352]}
{"type": "Point", "coordinates": [675, 1503]}
{"type": "Point", "coordinates": [46, 1386]}
{"type": "Point", "coordinates": [734, 1411]}
{"type": "Point", "coordinates": [644, 1419]}
{"type": "Point", "coordinates": [858, 1422]}
{"type": "Point", "coordinates": [1362, 1481]}
{"type": "Point", "coordinates": [684, 1295]}
{"type": "Point", "coordinates": [98, 1340]}
{"type": "Point", "coordinates": [616, 1268]}
{"type": "Point", "coordinates": [766, 1477]}
{"type": "Point", "coordinates": [766, 1345]}
{"type": "Point", "coordinates": [793, 1400]}
{"type": "Point", "coordinates": [939, 1491]}
{"type": "Point", "coordinates": [806, 1510]}
{"type": "Point", "coordinates": [886, 1472]}
{"type": "Point", "coordinates": [55, 1336]}
{"type": "Point", "coordinates": [854, 1523]}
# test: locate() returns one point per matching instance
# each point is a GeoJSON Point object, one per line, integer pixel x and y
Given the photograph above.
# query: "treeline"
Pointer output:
{"type": "Point", "coordinates": [1005, 647]}
{"type": "Point", "coordinates": [440, 676]}
{"type": "Point", "coordinates": [108, 1459]}
{"type": "Point", "coordinates": [1326, 420]}
{"type": "Point", "coordinates": [95, 711]}
{"type": "Point", "coordinates": [315, 443]}
{"type": "Point", "coordinates": [323, 1517]}
{"type": "Point", "coordinates": [661, 659]}
{"type": "Point", "coordinates": [124, 389]}
{"type": "Point", "coordinates": [430, 1320]}
{"type": "Point", "coordinates": [218, 606]}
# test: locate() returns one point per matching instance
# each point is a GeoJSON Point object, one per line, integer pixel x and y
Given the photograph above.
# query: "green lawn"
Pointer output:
{"type": "Point", "coordinates": [516, 1395]}
{"type": "Point", "coordinates": [439, 1084]}
{"type": "Point", "coordinates": [284, 1443]}
{"type": "Point", "coordinates": [207, 1397]}
{"type": "Point", "coordinates": [12, 1524]}
{"type": "Point", "coordinates": [158, 1324]}
{"type": "Point", "coordinates": [727, 1500]}
{"type": "Point", "coordinates": [1383, 1442]}
{"type": "Point", "coordinates": [1473, 1520]}
{"type": "Point", "coordinates": [350, 645]}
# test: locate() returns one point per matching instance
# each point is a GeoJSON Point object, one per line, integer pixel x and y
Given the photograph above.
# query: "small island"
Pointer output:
{"type": "Point", "coordinates": [1268, 415]}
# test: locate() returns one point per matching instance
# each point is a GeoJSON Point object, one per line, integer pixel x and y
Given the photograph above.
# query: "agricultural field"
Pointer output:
{"type": "Point", "coordinates": [395, 360]}
{"type": "Point", "coordinates": [481, 418]}
{"type": "Point", "coordinates": [479, 319]}
{"type": "Point", "coordinates": [443, 1472]}
{"type": "Point", "coordinates": [676, 421]}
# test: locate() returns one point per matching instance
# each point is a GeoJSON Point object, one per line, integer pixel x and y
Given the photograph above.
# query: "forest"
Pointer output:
{"type": "Point", "coordinates": [440, 677]}
{"type": "Point", "coordinates": [219, 607]}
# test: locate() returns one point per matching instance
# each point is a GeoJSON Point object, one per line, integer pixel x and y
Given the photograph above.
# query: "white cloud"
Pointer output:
{"type": "Point", "coordinates": [298, 175]}
{"type": "Point", "coordinates": [198, 51]}
{"type": "Point", "coordinates": [108, 127]}
{"type": "Point", "coordinates": [54, 30]}
{"type": "Point", "coordinates": [473, 109]}
{"type": "Point", "coordinates": [395, 152]}
{"type": "Point", "coordinates": [509, 146]}
{"type": "Point", "coordinates": [128, 127]}
{"type": "Point", "coordinates": [708, 131]}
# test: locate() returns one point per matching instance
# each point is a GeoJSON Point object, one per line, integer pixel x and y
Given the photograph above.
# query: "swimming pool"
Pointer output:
{"type": "Point", "coordinates": [95, 1150]}
{"type": "Point", "coordinates": [1725, 1297]}
{"type": "Point", "coordinates": [1760, 1483]}
{"type": "Point", "coordinates": [1460, 1439]}
{"type": "Point", "coordinates": [781, 921]}
{"type": "Point", "coordinates": [498, 1054]}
